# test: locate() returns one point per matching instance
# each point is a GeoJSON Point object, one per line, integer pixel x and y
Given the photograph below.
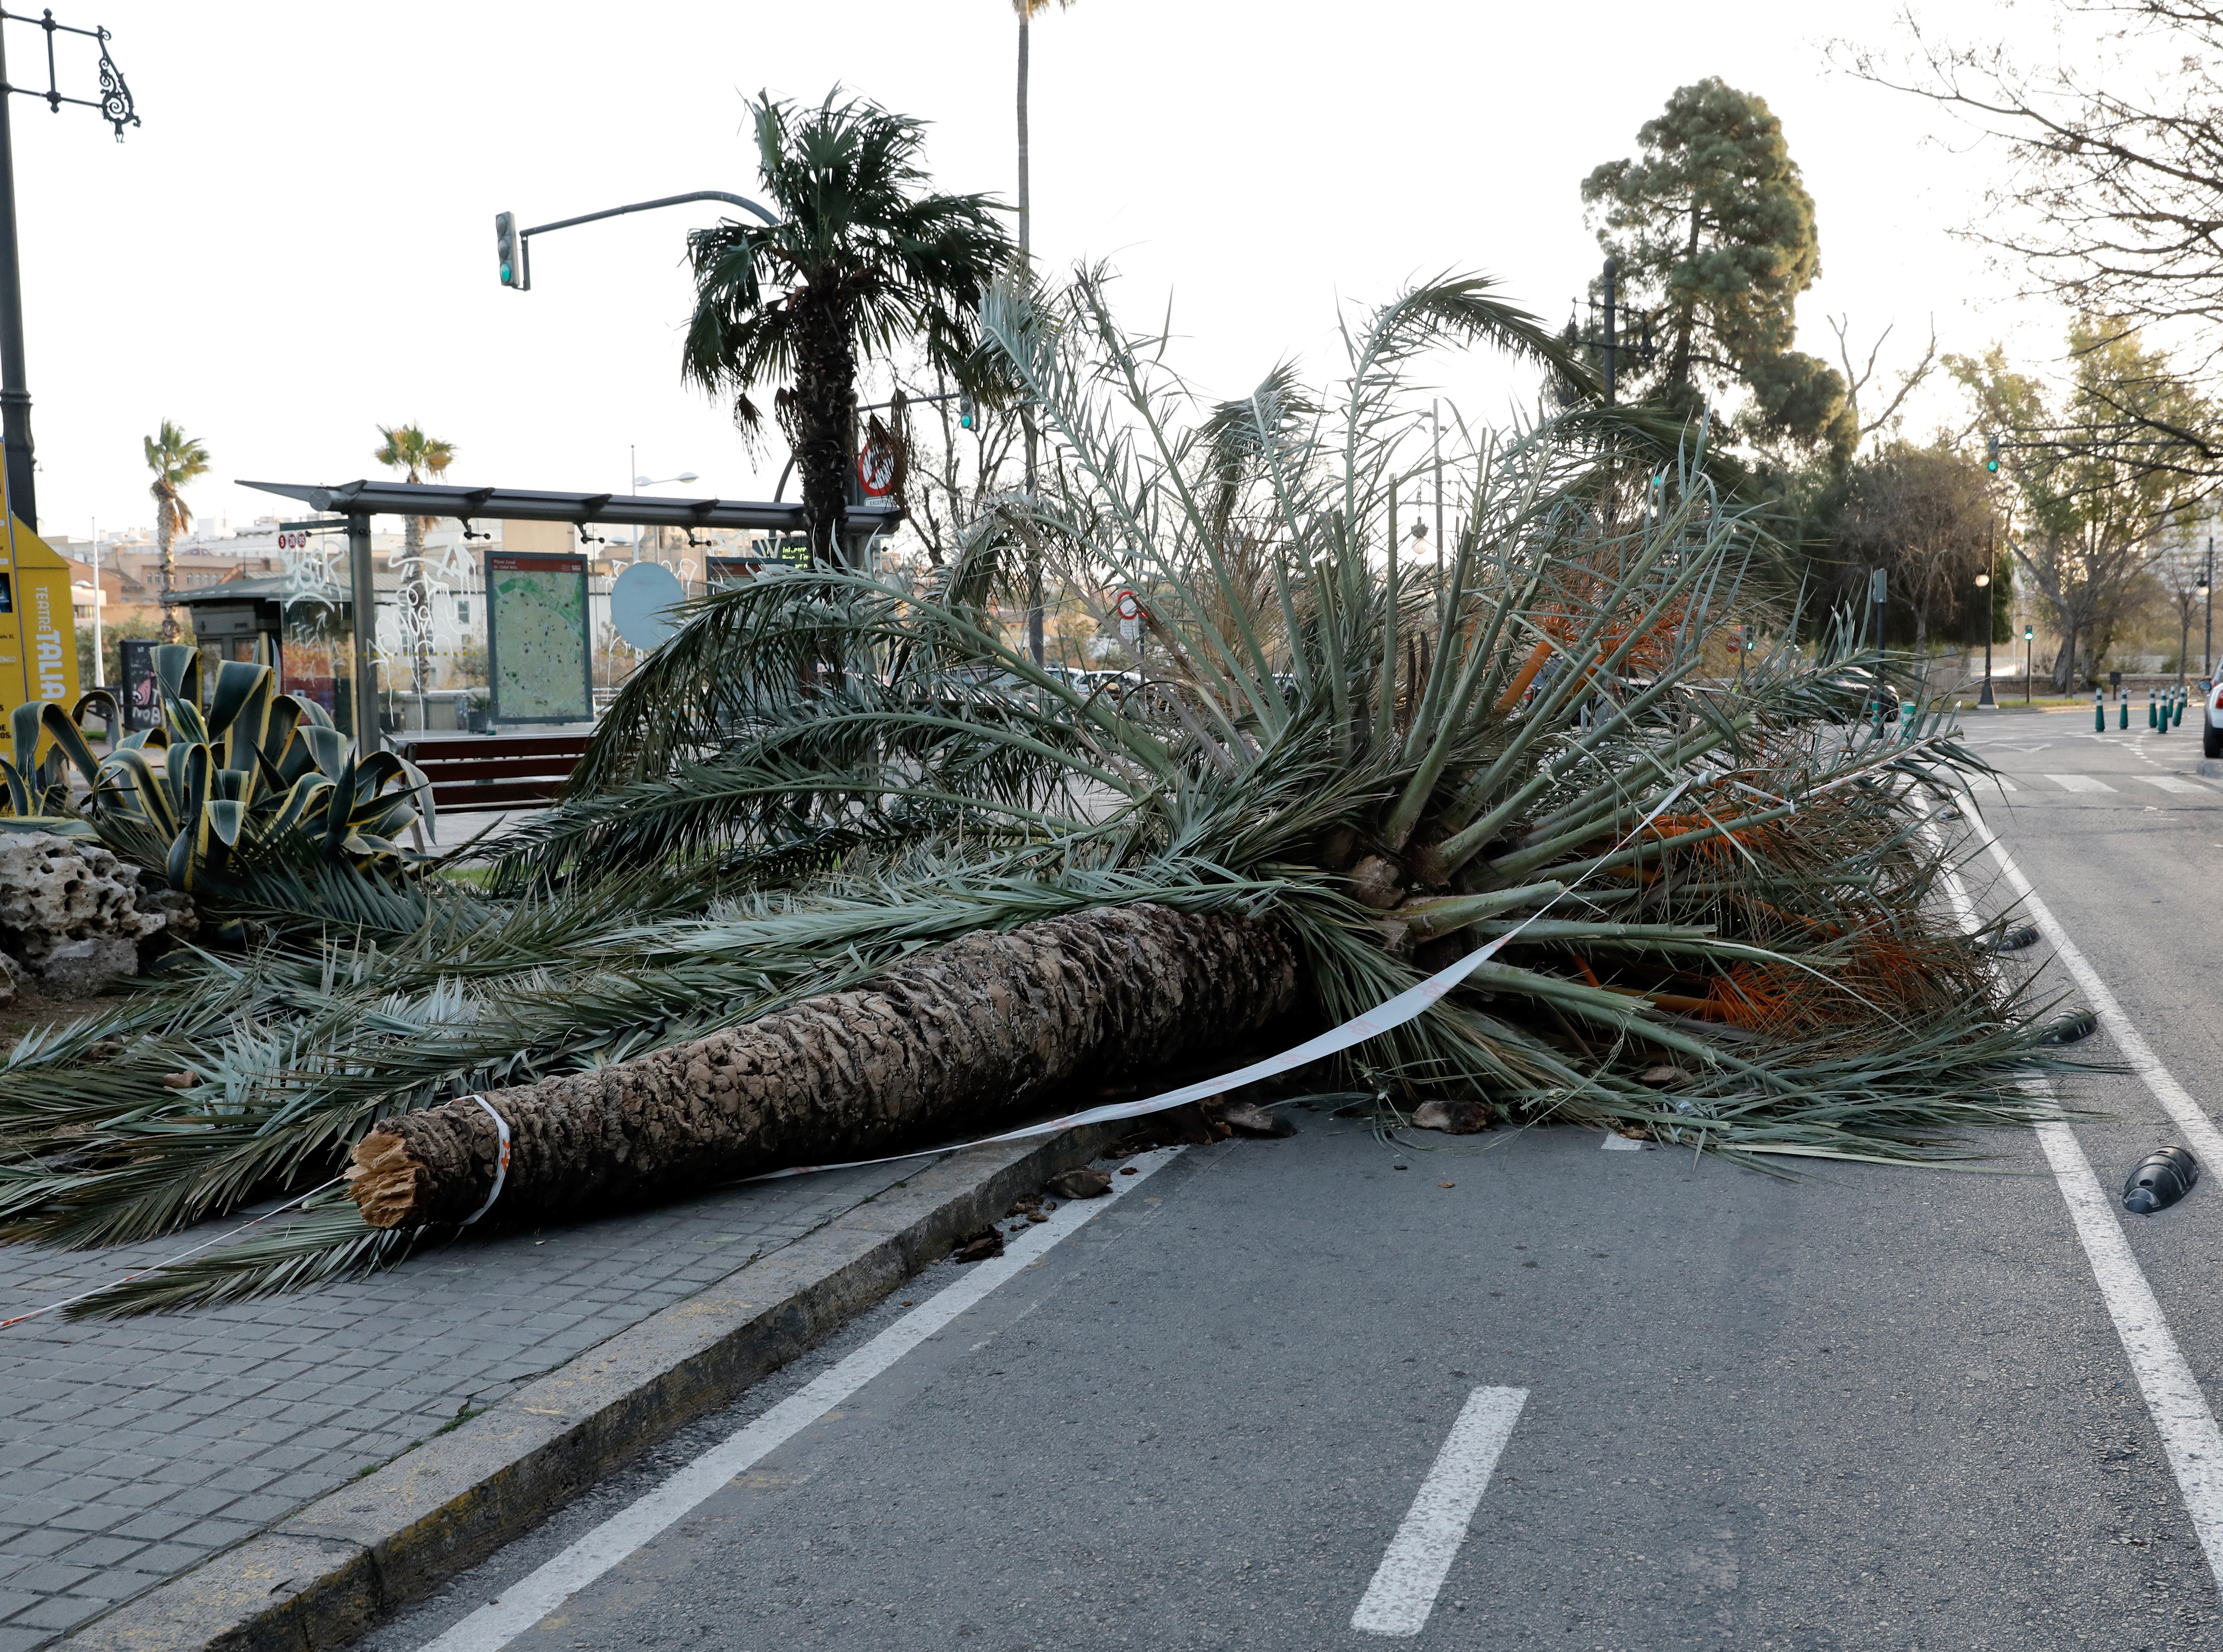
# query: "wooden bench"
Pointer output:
{"type": "Point", "coordinates": [479, 774]}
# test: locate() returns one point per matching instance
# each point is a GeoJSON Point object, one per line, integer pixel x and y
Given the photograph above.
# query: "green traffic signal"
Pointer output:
{"type": "Point", "coordinates": [1992, 453]}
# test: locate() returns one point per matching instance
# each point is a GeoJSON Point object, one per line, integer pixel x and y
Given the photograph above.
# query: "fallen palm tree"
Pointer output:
{"type": "Point", "coordinates": [797, 914]}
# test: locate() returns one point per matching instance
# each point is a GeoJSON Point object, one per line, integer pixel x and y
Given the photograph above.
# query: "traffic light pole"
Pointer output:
{"type": "Point", "coordinates": [115, 107]}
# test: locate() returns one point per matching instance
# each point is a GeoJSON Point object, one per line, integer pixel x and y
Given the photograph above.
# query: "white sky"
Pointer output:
{"type": "Point", "coordinates": [297, 244]}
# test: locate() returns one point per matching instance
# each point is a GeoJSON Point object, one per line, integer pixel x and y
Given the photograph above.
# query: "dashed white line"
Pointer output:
{"type": "Point", "coordinates": [525, 1602]}
{"type": "Point", "coordinates": [2080, 783]}
{"type": "Point", "coordinates": [1405, 1584]}
{"type": "Point", "coordinates": [2172, 783]}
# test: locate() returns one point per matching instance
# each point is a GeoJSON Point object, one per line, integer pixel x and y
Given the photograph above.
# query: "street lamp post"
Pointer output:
{"type": "Point", "coordinates": [2029, 642]}
{"type": "Point", "coordinates": [640, 482]}
{"type": "Point", "coordinates": [114, 106]}
{"type": "Point", "coordinates": [2208, 595]}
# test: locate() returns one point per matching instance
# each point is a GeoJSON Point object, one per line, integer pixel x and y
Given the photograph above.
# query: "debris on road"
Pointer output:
{"type": "Point", "coordinates": [1459, 1118]}
{"type": "Point", "coordinates": [1660, 1078]}
{"type": "Point", "coordinates": [1081, 1184]}
{"type": "Point", "coordinates": [2164, 1176]}
{"type": "Point", "coordinates": [1248, 1119]}
{"type": "Point", "coordinates": [978, 1247]}
{"type": "Point", "coordinates": [2015, 939]}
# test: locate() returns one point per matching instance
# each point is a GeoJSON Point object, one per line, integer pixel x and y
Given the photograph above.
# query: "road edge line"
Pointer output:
{"type": "Point", "coordinates": [2173, 1398]}
{"type": "Point", "coordinates": [2206, 1139]}
{"type": "Point", "coordinates": [324, 1575]}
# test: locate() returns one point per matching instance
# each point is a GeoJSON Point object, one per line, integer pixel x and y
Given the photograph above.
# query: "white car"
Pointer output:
{"type": "Point", "coordinates": [2211, 727]}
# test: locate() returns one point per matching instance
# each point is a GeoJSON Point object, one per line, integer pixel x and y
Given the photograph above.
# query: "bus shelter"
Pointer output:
{"type": "Point", "coordinates": [318, 624]}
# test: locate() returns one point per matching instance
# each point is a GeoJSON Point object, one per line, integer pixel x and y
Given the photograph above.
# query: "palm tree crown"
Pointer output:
{"type": "Point", "coordinates": [408, 448]}
{"type": "Point", "coordinates": [864, 258]}
{"type": "Point", "coordinates": [175, 458]}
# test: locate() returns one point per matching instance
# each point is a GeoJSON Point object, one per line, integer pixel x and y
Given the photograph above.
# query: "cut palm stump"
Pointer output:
{"type": "Point", "coordinates": [955, 1037]}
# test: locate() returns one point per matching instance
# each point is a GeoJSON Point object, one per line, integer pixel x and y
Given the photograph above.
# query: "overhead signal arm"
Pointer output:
{"type": "Point", "coordinates": [516, 245]}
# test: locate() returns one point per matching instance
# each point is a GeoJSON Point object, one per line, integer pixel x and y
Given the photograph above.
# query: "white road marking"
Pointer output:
{"type": "Point", "coordinates": [525, 1602]}
{"type": "Point", "coordinates": [2200, 1132]}
{"type": "Point", "coordinates": [1405, 1584]}
{"type": "Point", "coordinates": [2080, 783]}
{"type": "Point", "coordinates": [2004, 783]}
{"type": "Point", "coordinates": [2172, 783]}
{"type": "Point", "coordinates": [2180, 1410]}
{"type": "Point", "coordinates": [2173, 1398]}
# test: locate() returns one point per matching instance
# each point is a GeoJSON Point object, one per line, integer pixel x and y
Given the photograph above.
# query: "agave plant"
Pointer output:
{"type": "Point", "coordinates": [251, 775]}
{"type": "Point", "coordinates": [795, 914]}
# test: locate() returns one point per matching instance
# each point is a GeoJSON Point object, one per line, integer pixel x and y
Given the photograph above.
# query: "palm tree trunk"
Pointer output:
{"type": "Point", "coordinates": [1027, 414]}
{"type": "Point", "coordinates": [417, 603]}
{"type": "Point", "coordinates": [950, 1040]}
{"type": "Point", "coordinates": [821, 418]}
{"type": "Point", "coordinates": [1026, 243]}
{"type": "Point", "coordinates": [164, 532]}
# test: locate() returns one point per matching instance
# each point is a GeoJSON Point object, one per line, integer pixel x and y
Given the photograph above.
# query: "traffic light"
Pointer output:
{"type": "Point", "coordinates": [511, 246]}
{"type": "Point", "coordinates": [1992, 453]}
{"type": "Point", "coordinates": [965, 414]}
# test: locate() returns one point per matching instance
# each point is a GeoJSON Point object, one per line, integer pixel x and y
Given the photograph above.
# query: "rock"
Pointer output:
{"type": "Point", "coordinates": [75, 913]}
{"type": "Point", "coordinates": [1663, 1078]}
{"type": "Point", "coordinates": [1453, 1118]}
{"type": "Point", "coordinates": [976, 1247]}
{"type": "Point", "coordinates": [1246, 1119]}
{"type": "Point", "coordinates": [79, 968]}
{"type": "Point", "coordinates": [1082, 1184]}
{"type": "Point", "coordinates": [16, 982]}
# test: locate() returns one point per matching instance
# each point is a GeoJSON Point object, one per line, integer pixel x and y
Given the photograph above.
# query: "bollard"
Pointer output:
{"type": "Point", "coordinates": [2098, 711]}
{"type": "Point", "coordinates": [2149, 708]}
{"type": "Point", "coordinates": [2182, 697]}
{"type": "Point", "coordinates": [2124, 704]}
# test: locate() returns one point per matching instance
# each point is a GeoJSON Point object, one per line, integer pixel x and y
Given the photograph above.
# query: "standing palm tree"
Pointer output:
{"type": "Point", "coordinates": [1026, 9]}
{"type": "Point", "coordinates": [175, 458]}
{"type": "Point", "coordinates": [407, 448]}
{"type": "Point", "coordinates": [861, 257]}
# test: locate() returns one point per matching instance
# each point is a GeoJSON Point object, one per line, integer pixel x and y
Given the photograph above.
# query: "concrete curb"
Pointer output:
{"type": "Point", "coordinates": [322, 1576]}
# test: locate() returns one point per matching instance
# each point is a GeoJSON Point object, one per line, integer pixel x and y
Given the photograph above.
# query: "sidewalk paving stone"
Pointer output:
{"type": "Point", "coordinates": [132, 1450]}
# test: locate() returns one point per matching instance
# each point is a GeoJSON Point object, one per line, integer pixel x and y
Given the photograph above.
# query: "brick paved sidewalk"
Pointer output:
{"type": "Point", "coordinates": [132, 1449]}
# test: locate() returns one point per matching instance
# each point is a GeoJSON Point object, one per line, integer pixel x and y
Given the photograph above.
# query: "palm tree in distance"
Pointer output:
{"type": "Point", "coordinates": [863, 257]}
{"type": "Point", "coordinates": [175, 458]}
{"type": "Point", "coordinates": [408, 449]}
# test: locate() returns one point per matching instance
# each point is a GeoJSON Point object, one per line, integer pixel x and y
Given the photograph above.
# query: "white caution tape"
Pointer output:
{"type": "Point", "coordinates": [501, 1158]}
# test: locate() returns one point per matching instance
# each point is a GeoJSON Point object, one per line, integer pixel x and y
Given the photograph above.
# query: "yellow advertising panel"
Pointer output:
{"type": "Point", "coordinates": [38, 636]}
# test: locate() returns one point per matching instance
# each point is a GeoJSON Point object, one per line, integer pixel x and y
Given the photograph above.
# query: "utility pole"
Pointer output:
{"type": "Point", "coordinates": [1436, 449]}
{"type": "Point", "coordinates": [1612, 333]}
{"type": "Point", "coordinates": [114, 106]}
{"type": "Point", "coordinates": [2208, 595]}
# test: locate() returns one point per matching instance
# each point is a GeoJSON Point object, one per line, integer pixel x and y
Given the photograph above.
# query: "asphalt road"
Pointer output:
{"type": "Point", "coordinates": [1866, 1408]}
